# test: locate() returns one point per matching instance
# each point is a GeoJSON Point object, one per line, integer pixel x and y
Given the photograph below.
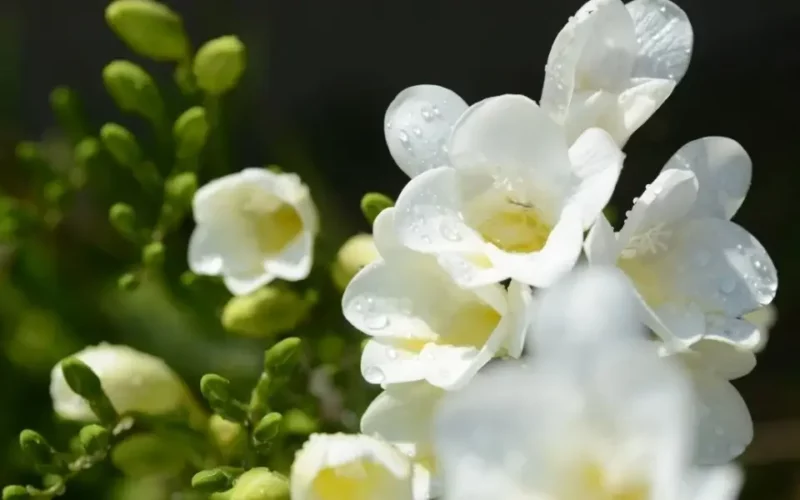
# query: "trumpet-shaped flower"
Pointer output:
{"type": "Point", "coordinates": [253, 227]}
{"type": "Point", "coordinates": [595, 415]}
{"type": "Point", "coordinates": [724, 426]}
{"type": "Point", "coordinates": [403, 415]}
{"type": "Point", "coordinates": [355, 467]}
{"type": "Point", "coordinates": [423, 325]}
{"type": "Point", "coordinates": [695, 272]}
{"type": "Point", "coordinates": [512, 200]}
{"type": "Point", "coordinates": [133, 381]}
{"type": "Point", "coordinates": [613, 65]}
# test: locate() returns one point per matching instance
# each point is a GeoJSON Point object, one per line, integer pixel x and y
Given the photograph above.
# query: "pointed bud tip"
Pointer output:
{"type": "Point", "coordinates": [373, 204]}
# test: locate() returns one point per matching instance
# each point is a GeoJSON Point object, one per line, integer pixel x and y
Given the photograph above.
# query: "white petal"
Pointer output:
{"type": "Point", "coordinates": [637, 104]}
{"type": "Point", "coordinates": [680, 322]}
{"type": "Point", "coordinates": [737, 332]}
{"type": "Point", "coordinates": [243, 285]}
{"type": "Point", "coordinates": [205, 252]}
{"type": "Point", "coordinates": [471, 270]}
{"type": "Point", "coordinates": [520, 307]}
{"type": "Point", "coordinates": [403, 415]}
{"type": "Point", "coordinates": [722, 267]}
{"type": "Point", "coordinates": [428, 214]}
{"type": "Point", "coordinates": [558, 257]}
{"type": "Point", "coordinates": [512, 135]}
{"type": "Point", "coordinates": [601, 245]}
{"type": "Point", "coordinates": [665, 39]}
{"type": "Point", "coordinates": [450, 367]}
{"type": "Point", "coordinates": [417, 126]}
{"type": "Point", "coordinates": [667, 200]}
{"type": "Point", "coordinates": [294, 261]}
{"type": "Point", "coordinates": [715, 483]}
{"type": "Point", "coordinates": [385, 234]}
{"type": "Point", "coordinates": [724, 424]}
{"type": "Point", "coordinates": [596, 164]}
{"type": "Point", "coordinates": [385, 361]}
{"type": "Point", "coordinates": [723, 169]}
{"type": "Point", "coordinates": [212, 200]}
{"type": "Point", "coordinates": [764, 319]}
{"type": "Point", "coordinates": [723, 358]}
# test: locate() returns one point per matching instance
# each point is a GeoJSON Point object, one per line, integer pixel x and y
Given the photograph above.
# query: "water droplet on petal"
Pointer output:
{"type": "Point", "coordinates": [374, 375]}
{"type": "Point", "coordinates": [376, 321]}
{"type": "Point", "coordinates": [403, 137]}
{"type": "Point", "coordinates": [427, 114]}
{"type": "Point", "coordinates": [417, 131]}
{"type": "Point", "coordinates": [388, 125]}
{"type": "Point", "coordinates": [425, 238]}
{"type": "Point", "coordinates": [449, 231]}
{"type": "Point", "coordinates": [391, 353]}
{"type": "Point", "coordinates": [436, 112]}
{"type": "Point", "coordinates": [727, 285]}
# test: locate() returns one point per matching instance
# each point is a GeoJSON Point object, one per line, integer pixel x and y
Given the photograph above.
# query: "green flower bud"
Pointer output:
{"type": "Point", "coordinates": [179, 190]}
{"type": "Point", "coordinates": [267, 428]}
{"type": "Point", "coordinates": [68, 111]}
{"type": "Point", "coordinates": [259, 398]}
{"type": "Point", "coordinates": [219, 64]}
{"type": "Point", "coordinates": [29, 156]}
{"type": "Point", "coordinates": [123, 218]}
{"type": "Point", "coordinates": [184, 78]}
{"type": "Point", "coordinates": [16, 492]}
{"type": "Point", "coordinates": [265, 313]}
{"type": "Point", "coordinates": [356, 253]}
{"type": "Point", "coordinates": [85, 383]}
{"type": "Point", "coordinates": [94, 440]}
{"type": "Point", "coordinates": [122, 145]}
{"type": "Point", "coordinates": [281, 357]}
{"type": "Point", "coordinates": [87, 153]}
{"type": "Point", "coordinates": [133, 89]}
{"type": "Point", "coordinates": [374, 203]}
{"type": "Point", "coordinates": [190, 132]}
{"type": "Point", "coordinates": [143, 455]}
{"type": "Point", "coordinates": [54, 192]}
{"type": "Point", "coordinates": [37, 448]}
{"type": "Point", "coordinates": [189, 278]}
{"type": "Point", "coordinates": [128, 282]}
{"type": "Point", "coordinates": [228, 437]}
{"type": "Point", "coordinates": [213, 480]}
{"type": "Point", "coordinates": [153, 255]}
{"type": "Point", "coordinates": [260, 484]}
{"type": "Point", "coordinates": [149, 28]}
{"type": "Point", "coordinates": [217, 391]}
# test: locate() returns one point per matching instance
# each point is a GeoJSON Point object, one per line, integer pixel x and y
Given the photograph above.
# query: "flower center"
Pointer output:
{"type": "Point", "coordinates": [273, 225]}
{"type": "Point", "coordinates": [516, 227]}
{"type": "Point", "coordinates": [593, 483]}
{"type": "Point", "coordinates": [357, 480]}
{"type": "Point", "coordinates": [470, 326]}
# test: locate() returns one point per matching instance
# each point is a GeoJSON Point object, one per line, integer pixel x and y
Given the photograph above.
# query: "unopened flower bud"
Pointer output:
{"type": "Point", "coordinates": [94, 439]}
{"type": "Point", "coordinates": [149, 28]}
{"type": "Point", "coordinates": [133, 89]}
{"type": "Point", "coordinates": [374, 203]}
{"type": "Point", "coordinates": [356, 253]}
{"type": "Point", "coordinates": [123, 218]}
{"type": "Point", "coordinates": [267, 428]}
{"type": "Point", "coordinates": [37, 448]}
{"type": "Point", "coordinates": [212, 480]}
{"type": "Point", "coordinates": [281, 357]}
{"type": "Point", "coordinates": [267, 312]}
{"type": "Point", "coordinates": [153, 255]}
{"type": "Point", "coordinates": [219, 64]}
{"type": "Point", "coordinates": [217, 391]}
{"type": "Point", "coordinates": [260, 484]}
{"type": "Point", "coordinates": [190, 132]}
{"type": "Point", "coordinates": [121, 144]}
{"type": "Point", "coordinates": [16, 492]}
{"type": "Point", "coordinates": [228, 437]}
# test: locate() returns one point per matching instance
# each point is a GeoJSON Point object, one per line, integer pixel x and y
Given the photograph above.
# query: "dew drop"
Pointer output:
{"type": "Point", "coordinates": [636, 200]}
{"type": "Point", "coordinates": [425, 239]}
{"type": "Point", "coordinates": [391, 353]}
{"type": "Point", "coordinates": [417, 131]}
{"type": "Point", "coordinates": [374, 375]}
{"type": "Point", "coordinates": [436, 112]}
{"type": "Point", "coordinates": [388, 125]}
{"type": "Point", "coordinates": [427, 114]}
{"type": "Point", "coordinates": [449, 232]}
{"type": "Point", "coordinates": [376, 321]}
{"type": "Point", "coordinates": [403, 137]}
{"type": "Point", "coordinates": [727, 285]}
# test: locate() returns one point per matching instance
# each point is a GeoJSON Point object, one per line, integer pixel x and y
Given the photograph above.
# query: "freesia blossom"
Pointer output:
{"type": "Point", "coordinates": [133, 381]}
{"type": "Point", "coordinates": [613, 65]}
{"type": "Point", "coordinates": [252, 227]}
{"type": "Point", "coordinates": [695, 272]}
{"type": "Point", "coordinates": [403, 415]}
{"type": "Point", "coordinates": [355, 467]}
{"type": "Point", "coordinates": [596, 414]}
{"type": "Point", "coordinates": [724, 426]}
{"type": "Point", "coordinates": [423, 325]}
{"type": "Point", "coordinates": [509, 199]}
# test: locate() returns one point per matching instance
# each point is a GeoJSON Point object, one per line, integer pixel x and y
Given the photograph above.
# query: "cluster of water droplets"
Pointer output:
{"type": "Point", "coordinates": [428, 146]}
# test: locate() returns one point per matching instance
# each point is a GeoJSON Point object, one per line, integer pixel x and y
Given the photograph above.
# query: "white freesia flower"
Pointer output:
{"type": "Point", "coordinates": [724, 426]}
{"type": "Point", "coordinates": [695, 271]}
{"type": "Point", "coordinates": [596, 414]}
{"type": "Point", "coordinates": [347, 466]}
{"type": "Point", "coordinates": [252, 227]}
{"type": "Point", "coordinates": [403, 415]}
{"type": "Point", "coordinates": [423, 325]}
{"type": "Point", "coordinates": [764, 319]}
{"type": "Point", "coordinates": [613, 65]}
{"type": "Point", "coordinates": [512, 200]}
{"type": "Point", "coordinates": [134, 382]}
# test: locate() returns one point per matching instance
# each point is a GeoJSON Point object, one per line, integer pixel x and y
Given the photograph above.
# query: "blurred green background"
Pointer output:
{"type": "Point", "coordinates": [320, 75]}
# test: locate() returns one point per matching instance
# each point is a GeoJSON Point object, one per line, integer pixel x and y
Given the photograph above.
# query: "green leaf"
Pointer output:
{"type": "Point", "coordinates": [149, 28]}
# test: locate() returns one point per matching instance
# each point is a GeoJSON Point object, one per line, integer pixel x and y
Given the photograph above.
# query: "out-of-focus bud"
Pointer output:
{"type": "Point", "coordinates": [88, 153]}
{"type": "Point", "coordinates": [149, 28]}
{"type": "Point", "coordinates": [122, 145]}
{"type": "Point", "coordinates": [128, 282]}
{"type": "Point", "coordinates": [37, 449]}
{"type": "Point", "coordinates": [299, 423]}
{"type": "Point", "coordinates": [219, 64]}
{"type": "Point", "coordinates": [133, 89]}
{"type": "Point", "coordinates": [267, 312]}
{"type": "Point", "coordinates": [374, 203]}
{"type": "Point", "coordinates": [123, 218]}
{"type": "Point", "coordinates": [68, 111]}
{"type": "Point", "coordinates": [213, 480]}
{"type": "Point", "coordinates": [217, 391]}
{"type": "Point", "coordinates": [257, 484]}
{"type": "Point", "coordinates": [356, 253]}
{"type": "Point", "coordinates": [16, 492]}
{"type": "Point", "coordinates": [142, 455]}
{"type": "Point", "coordinates": [178, 194]}
{"type": "Point", "coordinates": [281, 358]}
{"type": "Point", "coordinates": [94, 440]}
{"type": "Point", "coordinates": [190, 132]}
{"type": "Point", "coordinates": [132, 380]}
{"type": "Point", "coordinates": [228, 437]}
{"type": "Point", "coordinates": [153, 255]}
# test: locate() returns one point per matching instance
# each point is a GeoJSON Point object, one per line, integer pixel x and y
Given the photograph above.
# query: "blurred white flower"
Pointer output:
{"type": "Point", "coordinates": [252, 227]}
{"type": "Point", "coordinates": [696, 272]}
{"type": "Point", "coordinates": [724, 426]}
{"type": "Point", "coordinates": [350, 466]}
{"type": "Point", "coordinates": [513, 200]}
{"type": "Point", "coordinates": [134, 382]}
{"type": "Point", "coordinates": [423, 325]}
{"type": "Point", "coordinates": [596, 414]}
{"type": "Point", "coordinates": [403, 415]}
{"type": "Point", "coordinates": [613, 65]}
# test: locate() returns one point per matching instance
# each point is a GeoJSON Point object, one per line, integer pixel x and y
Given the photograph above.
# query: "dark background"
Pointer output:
{"type": "Point", "coordinates": [321, 73]}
